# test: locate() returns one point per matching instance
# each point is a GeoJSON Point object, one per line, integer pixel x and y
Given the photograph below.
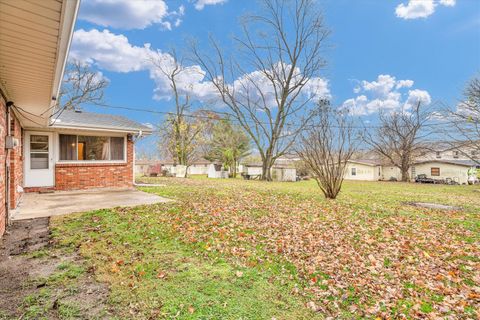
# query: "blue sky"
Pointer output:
{"type": "Point", "coordinates": [381, 53]}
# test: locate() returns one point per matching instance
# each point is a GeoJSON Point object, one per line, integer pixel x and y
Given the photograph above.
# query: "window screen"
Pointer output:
{"type": "Point", "coordinates": [38, 152]}
{"type": "Point", "coordinates": [89, 148]}
{"type": "Point", "coordinates": [117, 148]}
{"type": "Point", "coordinates": [68, 147]}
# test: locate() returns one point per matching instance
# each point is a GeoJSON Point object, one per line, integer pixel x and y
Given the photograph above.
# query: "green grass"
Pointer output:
{"type": "Point", "coordinates": [149, 268]}
{"type": "Point", "coordinates": [235, 249]}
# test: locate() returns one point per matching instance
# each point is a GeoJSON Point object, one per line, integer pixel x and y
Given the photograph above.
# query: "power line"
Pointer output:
{"type": "Point", "coordinates": [197, 116]}
{"type": "Point", "coordinates": [236, 120]}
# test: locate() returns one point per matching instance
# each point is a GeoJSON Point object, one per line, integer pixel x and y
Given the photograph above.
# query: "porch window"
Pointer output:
{"type": "Point", "coordinates": [354, 171]}
{"type": "Point", "coordinates": [38, 152]}
{"type": "Point", "coordinates": [90, 148]}
{"type": "Point", "coordinates": [435, 172]}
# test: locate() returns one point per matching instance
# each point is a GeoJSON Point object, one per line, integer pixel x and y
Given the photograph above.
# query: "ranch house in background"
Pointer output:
{"type": "Point", "coordinates": [42, 147]}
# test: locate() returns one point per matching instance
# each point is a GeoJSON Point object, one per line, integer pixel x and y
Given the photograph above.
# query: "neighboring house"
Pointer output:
{"type": "Point", "coordinates": [457, 170]}
{"type": "Point", "coordinates": [363, 169]}
{"type": "Point", "coordinates": [75, 151]}
{"type": "Point", "coordinates": [447, 151]}
{"type": "Point", "coordinates": [142, 167]}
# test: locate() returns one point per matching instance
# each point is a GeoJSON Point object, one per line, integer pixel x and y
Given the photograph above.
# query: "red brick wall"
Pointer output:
{"type": "Point", "coordinates": [3, 159]}
{"type": "Point", "coordinates": [95, 175]}
{"type": "Point", "coordinates": [12, 158]}
{"type": "Point", "coordinates": [16, 164]}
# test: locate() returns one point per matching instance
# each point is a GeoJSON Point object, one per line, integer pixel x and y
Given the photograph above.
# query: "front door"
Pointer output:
{"type": "Point", "coordinates": [39, 168]}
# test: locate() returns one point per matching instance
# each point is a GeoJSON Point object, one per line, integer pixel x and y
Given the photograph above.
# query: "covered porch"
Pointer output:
{"type": "Point", "coordinates": [39, 205]}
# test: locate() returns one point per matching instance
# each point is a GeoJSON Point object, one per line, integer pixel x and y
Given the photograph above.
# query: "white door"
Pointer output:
{"type": "Point", "coordinates": [39, 166]}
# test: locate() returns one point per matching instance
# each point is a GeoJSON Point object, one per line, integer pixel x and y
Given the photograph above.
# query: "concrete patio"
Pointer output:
{"type": "Point", "coordinates": [38, 205]}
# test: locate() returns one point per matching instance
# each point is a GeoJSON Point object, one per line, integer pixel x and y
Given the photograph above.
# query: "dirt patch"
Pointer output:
{"type": "Point", "coordinates": [38, 280]}
{"type": "Point", "coordinates": [435, 206]}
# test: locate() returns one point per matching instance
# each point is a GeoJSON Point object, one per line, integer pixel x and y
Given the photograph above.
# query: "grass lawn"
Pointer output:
{"type": "Point", "coordinates": [234, 249]}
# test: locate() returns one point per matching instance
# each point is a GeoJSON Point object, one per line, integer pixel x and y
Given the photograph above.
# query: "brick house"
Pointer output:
{"type": "Point", "coordinates": [78, 150]}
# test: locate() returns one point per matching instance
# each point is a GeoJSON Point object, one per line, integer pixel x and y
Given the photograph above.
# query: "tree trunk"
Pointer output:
{"type": "Point", "coordinates": [267, 168]}
{"type": "Point", "coordinates": [234, 169]}
{"type": "Point", "coordinates": [405, 176]}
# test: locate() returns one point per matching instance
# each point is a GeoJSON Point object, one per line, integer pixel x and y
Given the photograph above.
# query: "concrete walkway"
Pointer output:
{"type": "Point", "coordinates": [36, 205]}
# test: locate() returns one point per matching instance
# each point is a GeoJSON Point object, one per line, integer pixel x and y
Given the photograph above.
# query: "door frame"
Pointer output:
{"type": "Point", "coordinates": [50, 182]}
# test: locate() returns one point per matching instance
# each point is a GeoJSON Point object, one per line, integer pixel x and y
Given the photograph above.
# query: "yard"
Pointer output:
{"type": "Point", "coordinates": [234, 249]}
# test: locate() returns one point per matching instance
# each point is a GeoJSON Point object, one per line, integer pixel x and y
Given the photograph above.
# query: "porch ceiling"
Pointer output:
{"type": "Point", "coordinates": [34, 40]}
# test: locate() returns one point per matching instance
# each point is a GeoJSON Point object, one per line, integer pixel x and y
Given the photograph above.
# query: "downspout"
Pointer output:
{"type": "Point", "coordinates": [8, 120]}
{"type": "Point", "coordinates": [139, 135]}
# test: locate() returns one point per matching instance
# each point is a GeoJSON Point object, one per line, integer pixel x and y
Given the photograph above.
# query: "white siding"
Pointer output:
{"type": "Point", "coordinates": [359, 171]}
{"type": "Point", "coordinates": [455, 172]}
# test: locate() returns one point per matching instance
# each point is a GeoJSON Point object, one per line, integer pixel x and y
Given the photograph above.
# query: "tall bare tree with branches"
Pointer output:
{"type": "Point", "coordinates": [81, 85]}
{"type": "Point", "coordinates": [326, 147]}
{"type": "Point", "coordinates": [400, 137]}
{"type": "Point", "coordinates": [181, 130]}
{"type": "Point", "coordinates": [466, 122]}
{"type": "Point", "coordinates": [270, 92]}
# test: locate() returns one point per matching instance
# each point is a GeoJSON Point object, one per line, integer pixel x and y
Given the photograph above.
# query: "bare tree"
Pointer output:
{"type": "Point", "coordinates": [81, 85]}
{"type": "Point", "coordinates": [466, 122]}
{"type": "Point", "coordinates": [270, 93]}
{"type": "Point", "coordinates": [400, 137]}
{"type": "Point", "coordinates": [182, 129]}
{"type": "Point", "coordinates": [181, 140]}
{"type": "Point", "coordinates": [326, 147]}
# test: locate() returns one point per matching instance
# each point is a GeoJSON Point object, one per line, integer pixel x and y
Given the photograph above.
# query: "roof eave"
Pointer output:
{"type": "Point", "coordinates": [144, 132]}
{"type": "Point", "coordinates": [67, 26]}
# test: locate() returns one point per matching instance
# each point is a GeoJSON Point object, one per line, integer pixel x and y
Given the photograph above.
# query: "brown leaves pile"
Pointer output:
{"type": "Point", "coordinates": [389, 262]}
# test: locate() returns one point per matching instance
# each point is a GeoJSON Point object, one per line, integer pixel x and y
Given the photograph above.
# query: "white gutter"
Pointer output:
{"type": "Point", "coordinates": [113, 129]}
{"type": "Point", "coordinates": [66, 28]}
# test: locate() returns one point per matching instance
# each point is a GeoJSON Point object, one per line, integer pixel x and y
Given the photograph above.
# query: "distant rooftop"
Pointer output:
{"type": "Point", "coordinates": [466, 163]}
{"type": "Point", "coordinates": [80, 120]}
{"type": "Point", "coordinates": [371, 162]}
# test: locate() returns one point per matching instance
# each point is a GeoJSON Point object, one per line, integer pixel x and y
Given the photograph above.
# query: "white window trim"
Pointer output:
{"type": "Point", "coordinates": [94, 134]}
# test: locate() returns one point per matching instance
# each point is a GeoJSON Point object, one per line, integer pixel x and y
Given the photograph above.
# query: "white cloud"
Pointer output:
{"type": "Point", "coordinates": [114, 52]}
{"type": "Point", "coordinates": [404, 84]}
{"type": "Point", "coordinates": [108, 51]}
{"type": "Point", "coordinates": [416, 9]}
{"type": "Point", "coordinates": [200, 4]}
{"type": "Point", "coordinates": [448, 3]}
{"type": "Point", "coordinates": [385, 93]}
{"type": "Point", "coordinates": [129, 14]}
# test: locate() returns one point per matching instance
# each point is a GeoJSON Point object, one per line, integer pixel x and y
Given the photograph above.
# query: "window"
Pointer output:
{"type": "Point", "coordinates": [435, 172]}
{"type": "Point", "coordinates": [474, 153]}
{"type": "Point", "coordinates": [354, 171]}
{"type": "Point", "coordinates": [38, 152]}
{"type": "Point", "coordinates": [438, 154]}
{"type": "Point", "coordinates": [90, 148]}
{"type": "Point", "coordinates": [455, 154]}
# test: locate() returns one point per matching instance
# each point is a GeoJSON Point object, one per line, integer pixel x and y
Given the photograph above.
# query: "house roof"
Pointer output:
{"type": "Point", "coordinates": [465, 163]}
{"type": "Point", "coordinates": [75, 119]}
{"type": "Point", "coordinates": [368, 162]}
{"type": "Point", "coordinates": [34, 41]}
